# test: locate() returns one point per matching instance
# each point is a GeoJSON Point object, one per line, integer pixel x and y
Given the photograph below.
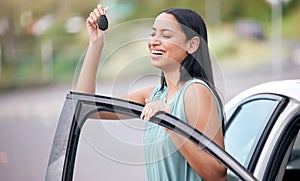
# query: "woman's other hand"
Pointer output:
{"type": "Point", "coordinates": [151, 108]}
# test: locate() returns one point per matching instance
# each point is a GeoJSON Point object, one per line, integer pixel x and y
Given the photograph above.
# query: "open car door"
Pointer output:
{"type": "Point", "coordinates": [79, 107]}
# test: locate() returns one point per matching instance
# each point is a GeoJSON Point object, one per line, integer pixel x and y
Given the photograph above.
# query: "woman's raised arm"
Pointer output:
{"type": "Point", "coordinates": [87, 77]}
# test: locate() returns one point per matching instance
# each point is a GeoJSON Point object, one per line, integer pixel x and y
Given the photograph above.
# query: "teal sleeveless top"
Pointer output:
{"type": "Point", "coordinates": [164, 162]}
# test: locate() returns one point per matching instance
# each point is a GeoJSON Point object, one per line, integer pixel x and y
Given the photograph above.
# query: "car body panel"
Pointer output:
{"type": "Point", "coordinates": [285, 87]}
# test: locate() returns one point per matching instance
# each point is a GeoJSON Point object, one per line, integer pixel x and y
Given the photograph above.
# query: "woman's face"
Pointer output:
{"type": "Point", "coordinates": [168, 43]}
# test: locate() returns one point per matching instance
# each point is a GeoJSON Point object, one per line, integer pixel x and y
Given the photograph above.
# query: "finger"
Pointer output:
{"type": "Point", "coordinates": [146, 114]}
{"type": "Point", "coordinates": [142, 116]}
{"type": "Point", "coordinates": [147, 101]}
{"type": "Point", "coordinates": [100, 9]}
{"type": "Point", "coordinates": [149, 114]}
{"type": "Point", "coordinates": [150, 111]}
{"type": "Point", "coordinates": [90, 22]}
{"type": "Point", "coordinates": [97, 12]}
{"type": "Point", "coordinates": [145, 109]}
{"type": "Point", "coordinates": [105, 10]}
{"type": "Point", "coordinates": [93, 18]}
{"type": "Point", "coordinates": [99, 6]}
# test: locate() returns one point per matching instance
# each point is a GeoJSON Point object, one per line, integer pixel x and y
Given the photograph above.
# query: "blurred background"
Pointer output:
{"type": "Point", "coordinates": [42, 43]}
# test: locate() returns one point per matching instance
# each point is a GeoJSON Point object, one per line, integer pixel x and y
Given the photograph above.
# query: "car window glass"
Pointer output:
{"type": "Point", "coordinates": [294, 161]}
{"type": "Point", "coordinates": [246, 127]}
{"type": "Point", "coordinates": [110, 150]}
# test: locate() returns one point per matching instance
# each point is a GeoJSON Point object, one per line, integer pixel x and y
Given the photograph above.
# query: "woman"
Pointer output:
{"type": "Point", "coordinates": [178, 47]}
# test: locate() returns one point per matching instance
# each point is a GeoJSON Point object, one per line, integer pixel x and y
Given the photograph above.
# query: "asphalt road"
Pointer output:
{"type": "Point", "coordinates": [28, 119]}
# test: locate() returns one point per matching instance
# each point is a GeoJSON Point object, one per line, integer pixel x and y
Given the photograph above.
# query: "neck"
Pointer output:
{"type": "Point", "coordinates": [172, 80]}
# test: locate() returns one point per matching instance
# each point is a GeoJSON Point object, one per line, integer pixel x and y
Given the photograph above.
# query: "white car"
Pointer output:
{"type": "Point", "coordinates": [261, 136]}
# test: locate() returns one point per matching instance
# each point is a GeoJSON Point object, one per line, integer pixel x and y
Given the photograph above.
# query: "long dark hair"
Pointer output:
{"type": "Point", "coordinates": [198, 64]}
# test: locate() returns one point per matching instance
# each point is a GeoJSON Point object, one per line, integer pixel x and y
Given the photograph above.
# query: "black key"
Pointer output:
{"type": "Point", "coordinates": [102, 22]}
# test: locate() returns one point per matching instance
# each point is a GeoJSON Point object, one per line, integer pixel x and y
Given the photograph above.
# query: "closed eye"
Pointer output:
{"type": "Point", "coordinates": [167, 36]}
{"type": "Point", "coordinates": [152, 34]}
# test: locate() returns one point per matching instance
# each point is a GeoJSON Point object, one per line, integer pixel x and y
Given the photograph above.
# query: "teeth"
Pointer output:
{"type": "Point", "coordinates": [157, 52]}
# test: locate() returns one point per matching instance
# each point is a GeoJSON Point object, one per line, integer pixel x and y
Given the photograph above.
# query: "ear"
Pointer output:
{"type": "Point", "coordinates": [193, 44]}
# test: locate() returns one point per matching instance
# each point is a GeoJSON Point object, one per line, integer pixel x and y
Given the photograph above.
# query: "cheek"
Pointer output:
{"type": "Point", "coordinates": [177, 53]}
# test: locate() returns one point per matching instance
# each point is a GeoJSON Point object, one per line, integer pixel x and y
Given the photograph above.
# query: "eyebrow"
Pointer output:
{"type": "Point", "coordinates": [164, 29]}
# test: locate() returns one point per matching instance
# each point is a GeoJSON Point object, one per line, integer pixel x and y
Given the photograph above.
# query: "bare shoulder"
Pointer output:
{"type": "Point", "coordinates": [197, 91]}
{"type": "Point", "coordinates": [201, 107]}
{"type": "Point", "coordinates": [198, 97]}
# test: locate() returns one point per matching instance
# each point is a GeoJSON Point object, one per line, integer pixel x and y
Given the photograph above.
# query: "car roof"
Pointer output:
{"type": "Point", "coordinates": [288, 88]}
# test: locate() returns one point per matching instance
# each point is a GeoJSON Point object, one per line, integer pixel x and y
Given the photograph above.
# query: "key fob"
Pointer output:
{"type": "Point", "coordinates": [102, 22]}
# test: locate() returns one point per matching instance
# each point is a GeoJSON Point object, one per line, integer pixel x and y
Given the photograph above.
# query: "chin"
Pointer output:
{"type": "Point", "coordinates": [155, 64]}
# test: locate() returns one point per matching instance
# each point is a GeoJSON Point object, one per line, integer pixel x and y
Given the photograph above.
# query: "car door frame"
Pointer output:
{"type": "Point", "coordinates": [78, 107]}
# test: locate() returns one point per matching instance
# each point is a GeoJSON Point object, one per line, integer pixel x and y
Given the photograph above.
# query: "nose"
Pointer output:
{"type": "Point", "coordinates": [154, 41]}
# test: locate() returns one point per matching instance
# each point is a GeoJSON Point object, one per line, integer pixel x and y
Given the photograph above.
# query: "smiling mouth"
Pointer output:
{"type": "Point", "coordinates": [157, 52]}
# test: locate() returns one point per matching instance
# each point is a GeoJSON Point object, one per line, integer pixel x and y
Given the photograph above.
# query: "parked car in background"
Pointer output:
{"type": "Point", "coordinates": [261, 137]}
{"type": "Point", "coordinates": [247, 28]}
